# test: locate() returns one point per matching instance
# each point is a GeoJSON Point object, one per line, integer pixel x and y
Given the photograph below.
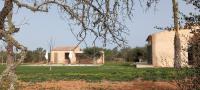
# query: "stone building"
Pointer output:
{"type": "Point", "coordinates": [69, 55]}
{"type": "Point", "coordinates": [161, 48]}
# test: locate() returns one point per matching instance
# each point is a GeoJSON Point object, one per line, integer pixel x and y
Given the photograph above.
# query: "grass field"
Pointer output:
{"type": "Point", "coordinates": [109, 71]}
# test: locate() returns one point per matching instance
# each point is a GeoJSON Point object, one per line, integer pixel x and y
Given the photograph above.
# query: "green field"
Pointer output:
{"type": "Point", "coordinates": [109, 71]}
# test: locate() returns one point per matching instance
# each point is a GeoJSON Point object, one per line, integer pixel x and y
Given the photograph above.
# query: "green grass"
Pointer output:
{"type": "Point", "coordinates": [109, 71]}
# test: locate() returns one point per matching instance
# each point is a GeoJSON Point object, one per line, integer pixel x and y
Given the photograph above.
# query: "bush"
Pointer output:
{"type": "Point", "coordinates": [93, 52]}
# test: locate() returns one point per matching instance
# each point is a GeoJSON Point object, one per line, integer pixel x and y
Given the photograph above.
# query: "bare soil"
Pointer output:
{"type": "Point", "coordinates": [104, 85]}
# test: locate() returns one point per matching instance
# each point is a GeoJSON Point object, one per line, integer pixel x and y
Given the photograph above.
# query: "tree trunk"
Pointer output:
{"type": "Point", "coordinates": [10, 54]}
{"type": "Point", "coordinates": [177, 44]}
{"type": "Point", "coordinates": [9, 78]}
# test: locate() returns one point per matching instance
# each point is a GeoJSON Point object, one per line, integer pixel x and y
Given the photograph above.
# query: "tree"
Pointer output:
{"type": "Point", "coordinates": [40, 52]}
{"type": "Point", "coordinates": [192, 21]}
{"type": "Point", "coordinates": [93, 52]}
{"type": "Point", "coordinates": [195, 49]}
{"type": "Point", "coordinates": [51, 45]}
{"type": "Point", "coordinates": [29, 57]}
{"type": "Point", "coordinates": [124, 53]}
{"type": "Point", "coordinates": [195, 3]}
{"type": "Point", "coordinates": [133, 54]}
{"type": "Point", "coordinates": [9, 48]}
{"type": "Point", "coordinates": [3, 55]}
{"type": "Point", "coordinates": [109, 54]}
{"type": "Point", "coordinates": [177, 43]}
{"type": "Point", "coordinates": [35, 56]}
{"type": "Point", "coordinates": [101, 18]}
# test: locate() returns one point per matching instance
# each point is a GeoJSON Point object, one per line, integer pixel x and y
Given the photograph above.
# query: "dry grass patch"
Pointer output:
{"type": "Point", "coordinates": [104, 85]}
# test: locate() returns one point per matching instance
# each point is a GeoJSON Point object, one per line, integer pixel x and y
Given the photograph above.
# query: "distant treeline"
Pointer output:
{"type": "Point", "coordinates": [125, 54]}
{"type": "Point", "coordinates": [32, 56]}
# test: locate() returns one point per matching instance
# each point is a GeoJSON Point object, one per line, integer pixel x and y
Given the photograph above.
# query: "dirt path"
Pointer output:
{"type": "Point", "coordinates": [105, 85]}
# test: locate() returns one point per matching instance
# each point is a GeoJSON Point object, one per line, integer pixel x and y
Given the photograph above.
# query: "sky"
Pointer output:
{"type": "Point", "coordinates": [38, 28]}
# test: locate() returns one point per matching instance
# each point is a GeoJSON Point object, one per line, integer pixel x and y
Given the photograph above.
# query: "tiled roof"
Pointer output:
{"type": "Point", "coordinates": [64, 48]}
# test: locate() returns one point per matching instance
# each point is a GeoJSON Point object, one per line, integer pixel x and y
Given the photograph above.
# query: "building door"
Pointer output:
{"type": "Point", "coordinates": [55, 57]}
{"type": "Point", "coordinates": [149, 54]}
{"type": "Point", "coordinates": [67, 58]}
